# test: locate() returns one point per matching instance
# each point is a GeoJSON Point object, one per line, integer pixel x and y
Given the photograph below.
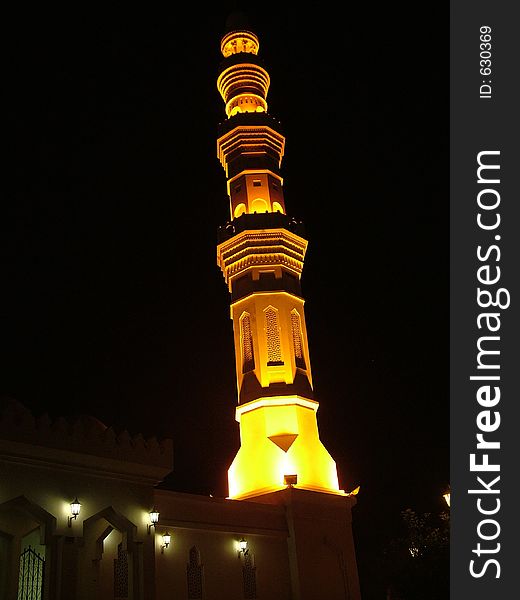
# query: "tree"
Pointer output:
{"type": "Point", "coordinates": [416, 565]}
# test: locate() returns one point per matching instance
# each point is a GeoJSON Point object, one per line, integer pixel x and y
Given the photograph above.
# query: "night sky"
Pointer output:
{"type": "Point", "coordinates": [112, 301]}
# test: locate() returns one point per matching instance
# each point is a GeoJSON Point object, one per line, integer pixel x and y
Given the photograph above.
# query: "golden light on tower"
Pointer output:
{"type": "Point", "coordinates": [261, 253]}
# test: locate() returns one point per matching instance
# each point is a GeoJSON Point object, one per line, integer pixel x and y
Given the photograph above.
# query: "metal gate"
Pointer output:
{"type": "Point", "coordinates": [30, 583]}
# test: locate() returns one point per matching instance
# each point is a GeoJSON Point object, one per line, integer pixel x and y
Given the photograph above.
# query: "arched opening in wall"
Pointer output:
{"type": "Point", "coordinates": [297, 338]}
{"type": "Point", "coordinates": [109, 565]}
{"type": "Point", "coordinates": [26, 535]}
{"type": "Point", "coordinates": [240, 209]}
{"type": "Point", "coordinates": [272, 333]}
{"type": "Point", "coordinates": [259, 205]}
{"type": "Point", "coordinates": [246, 343]}
{"type": "Point", "coordinates": [195, 575]}
{"type": "Point", "coordinates": [277, 207]}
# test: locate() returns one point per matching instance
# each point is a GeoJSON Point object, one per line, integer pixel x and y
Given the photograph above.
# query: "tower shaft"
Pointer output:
{"type": "Point", "coordinates": [261, 253]}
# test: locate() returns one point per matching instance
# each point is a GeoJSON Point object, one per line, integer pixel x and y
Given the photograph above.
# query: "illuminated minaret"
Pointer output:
{"type": "Point", "coordinates": [261, 252]}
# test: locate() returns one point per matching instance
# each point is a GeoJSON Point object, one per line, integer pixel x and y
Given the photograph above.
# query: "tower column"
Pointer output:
{"type": "Point", "coordinates": [261, 252]}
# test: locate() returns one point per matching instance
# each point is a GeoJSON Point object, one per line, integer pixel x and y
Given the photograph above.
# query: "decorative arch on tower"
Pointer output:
{"type": "Point", "coordinates": [272, 334]}
{"type": "Point", "coordinates": [246, 343]}
{"type": "Point", "coordinates": [297, 339]}
{"type": "Point", "coordinates": [259, 205]}
{"type": "Point", "coordinates": [240, 209]}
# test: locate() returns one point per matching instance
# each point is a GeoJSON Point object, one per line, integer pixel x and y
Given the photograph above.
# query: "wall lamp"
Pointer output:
{"type": "Point", "coordinates": [154, 519]}
{"type": "Point", "coordinates": [75, 507]}
{"type": "Point", "coordinates": [167, 538]}
{"type": "Point", "coordinates": [447, 497]}
{"type": "Point", "coordinates": [242, 547]}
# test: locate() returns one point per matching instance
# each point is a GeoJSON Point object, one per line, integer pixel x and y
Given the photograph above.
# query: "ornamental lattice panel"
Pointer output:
{"type": "Point", "coordinates": [272, 331]}
{"type": "Point", "coordinates": [248, 359]}
{"type": "Point", "coordinates": [195, 575]}
{"type": "Point", "coordinates": [249, 575]}
{"type": "Point", "coordinates": [121, 574]}
{"type": "Point", "coordinates": [297, 339]}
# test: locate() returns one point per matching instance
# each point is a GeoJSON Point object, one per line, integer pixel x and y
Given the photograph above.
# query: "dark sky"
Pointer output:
{"type": "Point", "coordinates": [112, 302]}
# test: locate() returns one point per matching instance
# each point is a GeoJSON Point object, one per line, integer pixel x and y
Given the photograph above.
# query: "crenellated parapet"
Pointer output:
{"type": "Point", "coordinates": [83, 441]}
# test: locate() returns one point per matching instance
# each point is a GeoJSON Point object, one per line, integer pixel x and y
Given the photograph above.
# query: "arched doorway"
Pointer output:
{"type": "Point", "coordinates": [26, 551]}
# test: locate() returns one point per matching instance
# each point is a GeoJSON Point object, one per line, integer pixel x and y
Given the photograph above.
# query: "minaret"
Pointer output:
{"type": "Point", "coordinates": [261, 252]}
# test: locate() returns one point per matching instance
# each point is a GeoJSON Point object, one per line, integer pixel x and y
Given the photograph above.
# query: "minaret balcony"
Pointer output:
{"type": "Point", "coordinates": [254, 249]}
{"type": "Point", "coordinates": [254, 140]}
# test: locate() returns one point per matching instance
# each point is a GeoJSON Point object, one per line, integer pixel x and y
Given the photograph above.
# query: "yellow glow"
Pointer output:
{"type": "Point", "coordinates": [240, 209]}
{"type": "Point", "coordinates": [255, 305]}
{"type": "Point", "coordinates": [239, 41]}
{"type": "Point", "coordinates": [306, 457]}
{"type": "Point", "coordinates": [258, 205]}
{"type": "Point", "coordinates": [276, 401]}
{"type": "Point", "coordinates": [251, 249]}
{"type": "Point", "coordinates": [145, 520]}
{"type": "Point", "coordinates": [233, 179]}
{"type": "Point", "coordinates": [355, 491]}
{"type": "Point", "coordinates": [245, 103]}
{"type": "Point", "coordinates": [245, 84]}
{"type": "Point", "coordinates": [250, 140]}
{"type": "Point", "coordinates": [279, 434]}
{"type": "Point", "coordinates": [447, 498]}
{"type": "Point", "coordinates": [65, 508]}
{"type": "Point", "coordinates": [286, 466]}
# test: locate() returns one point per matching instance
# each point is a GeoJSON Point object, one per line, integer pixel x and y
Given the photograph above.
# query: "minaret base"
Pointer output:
{"type": "Point", "coordinates": [280, 447]}
{"type": "Point", "coordinates": [322, 557]}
